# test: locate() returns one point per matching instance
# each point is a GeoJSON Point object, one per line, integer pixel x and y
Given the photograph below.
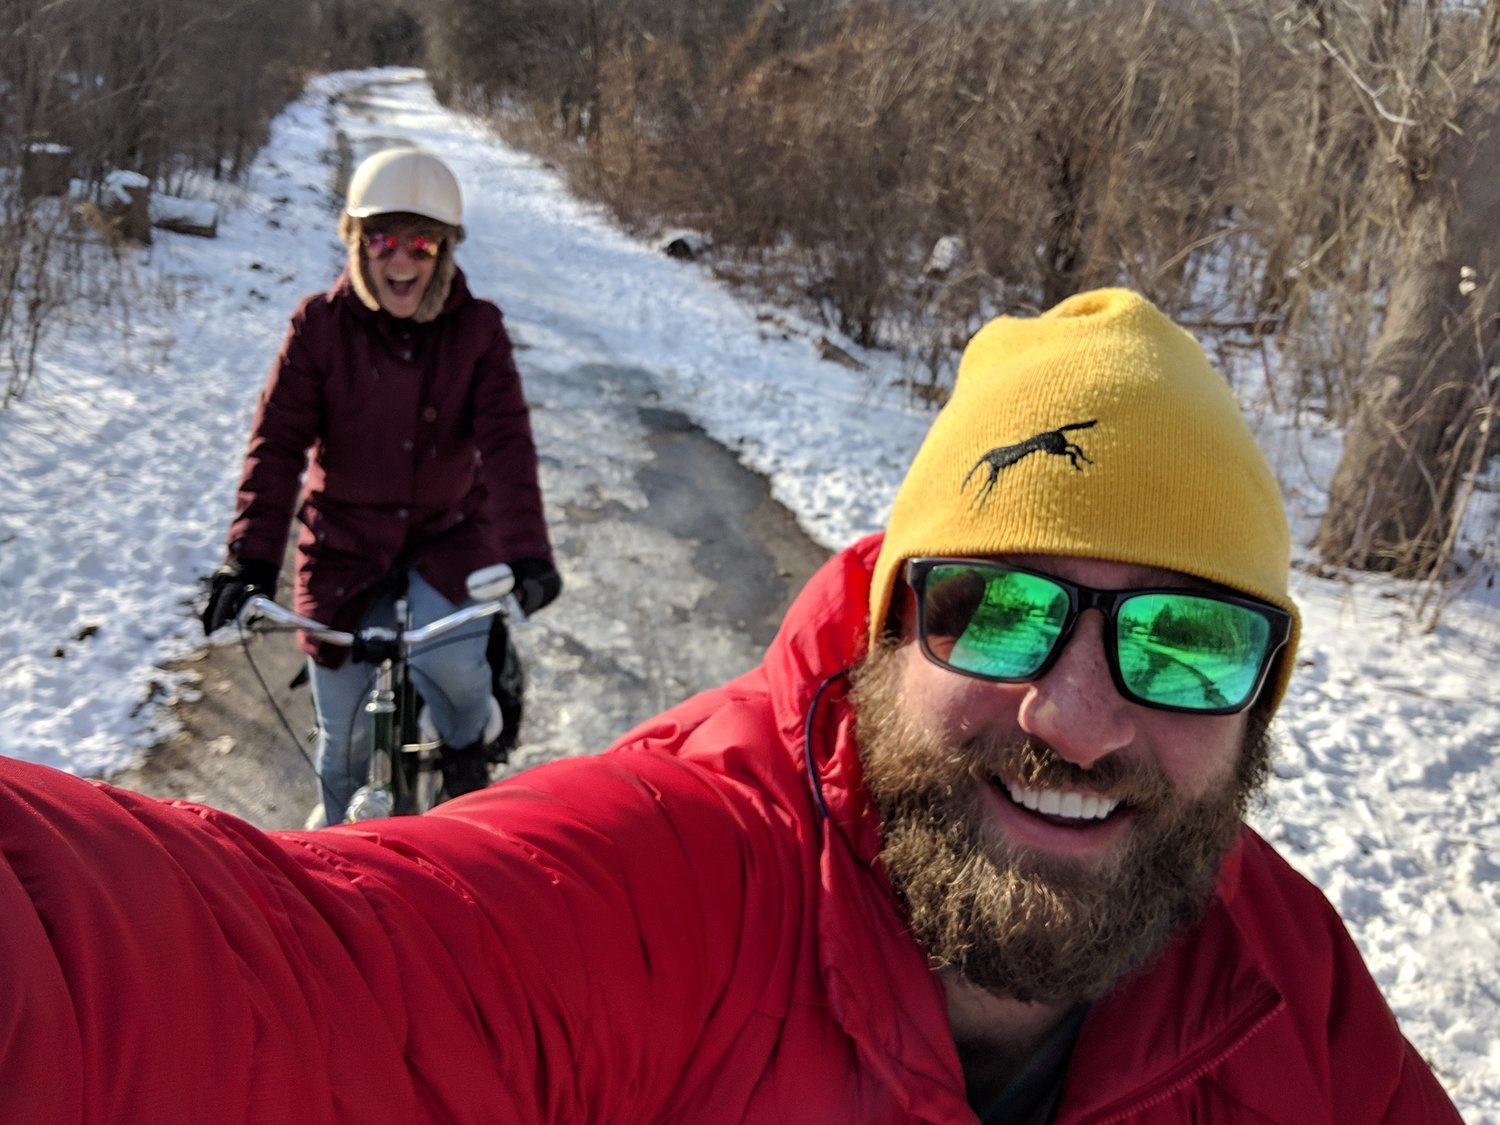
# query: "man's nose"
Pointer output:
{"type": "Point", "coordinates": [1075, 708]}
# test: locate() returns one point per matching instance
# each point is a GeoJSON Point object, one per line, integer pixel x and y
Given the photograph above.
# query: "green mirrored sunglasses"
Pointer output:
{"type": "Point", "coordinates": [1173, 649]}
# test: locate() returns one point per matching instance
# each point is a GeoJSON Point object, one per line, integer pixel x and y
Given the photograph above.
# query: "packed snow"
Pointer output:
{"type": "Point", "coordinates": [120, 463]}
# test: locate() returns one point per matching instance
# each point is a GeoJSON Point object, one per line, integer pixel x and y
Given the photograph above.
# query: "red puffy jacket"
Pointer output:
{"type": "Point", "coordinates": [671, 932]}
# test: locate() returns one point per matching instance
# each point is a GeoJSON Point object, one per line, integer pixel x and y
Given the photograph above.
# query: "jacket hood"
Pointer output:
{"type": "Point", "coordinates": [353, 286]}
{"type": "Point", "coordinates": [824, 635]}
{"type": "Point", "coordinates": [438, 296]}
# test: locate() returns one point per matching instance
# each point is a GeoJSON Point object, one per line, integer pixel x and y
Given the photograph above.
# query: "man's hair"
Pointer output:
{"type": "Point", "coordinates": [1097, 430]}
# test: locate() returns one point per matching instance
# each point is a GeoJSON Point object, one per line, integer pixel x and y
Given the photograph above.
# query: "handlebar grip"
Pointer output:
{"type": "Point", "coordinates": [491, 583]}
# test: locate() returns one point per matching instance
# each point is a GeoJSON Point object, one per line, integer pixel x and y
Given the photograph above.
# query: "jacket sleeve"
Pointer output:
{"type": "Point", "coordinates": [1419, 1098]}
{"type": "Point", "coordinates": [508, 457]}
{"type": "Point", "coordinates": [286, 423]}
{"type": "Point", "coordinates": [505, 959]}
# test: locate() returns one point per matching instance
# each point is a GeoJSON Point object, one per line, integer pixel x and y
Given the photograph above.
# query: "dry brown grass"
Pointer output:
{"type": "Point", "coordinates": [838, 146]}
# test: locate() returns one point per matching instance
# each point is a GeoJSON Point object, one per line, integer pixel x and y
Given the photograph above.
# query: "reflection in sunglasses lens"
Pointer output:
{"type": "Point", "coordinates": [380, 245]}
{"type": "Point", "coordinates": [1179, 650]}
{"type": "Point", "coordinates": [994, 624]}
{"type": "Point", "coordinates": [1193, 652]}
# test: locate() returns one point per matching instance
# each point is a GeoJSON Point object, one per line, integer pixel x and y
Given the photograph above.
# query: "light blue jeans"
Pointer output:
{"type": "Point", "coordinates": [451, 674]}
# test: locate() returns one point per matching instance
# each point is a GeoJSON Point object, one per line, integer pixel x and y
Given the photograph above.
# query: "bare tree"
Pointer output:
{"type": "Point", "coordinates": [1426, 396]}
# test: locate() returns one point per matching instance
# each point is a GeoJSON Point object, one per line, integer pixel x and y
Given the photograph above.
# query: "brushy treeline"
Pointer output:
{"type": "Point", "coordinates": [1306, 176]}
{"type": "Point", "coordinates": [1313, 178]}
{"type": "Point", "coordinates": [1062, 145]}
{"type": "Point", "coordinates": [165, 87]}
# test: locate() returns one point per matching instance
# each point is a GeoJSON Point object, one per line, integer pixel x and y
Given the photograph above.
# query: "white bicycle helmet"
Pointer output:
{"type": "Point", "coordinates": [407, 180]}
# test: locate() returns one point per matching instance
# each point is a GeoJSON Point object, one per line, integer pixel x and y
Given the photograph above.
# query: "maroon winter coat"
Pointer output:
{"type": "Point", "coordinates": [421, 453]}
{"type": "Point", "coordinates": [693, 929]}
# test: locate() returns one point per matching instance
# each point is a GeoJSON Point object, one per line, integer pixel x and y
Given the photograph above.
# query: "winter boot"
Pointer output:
{"type": "Point", "coordinates": [465, 769]}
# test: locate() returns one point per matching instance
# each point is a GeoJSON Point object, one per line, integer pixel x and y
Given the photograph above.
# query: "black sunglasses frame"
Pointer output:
{"type": "Point", "coordinates": [1107, 602]}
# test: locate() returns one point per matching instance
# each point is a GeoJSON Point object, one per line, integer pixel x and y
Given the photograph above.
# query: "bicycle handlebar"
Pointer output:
{"type": "Point", "coordinates": [260, 607]}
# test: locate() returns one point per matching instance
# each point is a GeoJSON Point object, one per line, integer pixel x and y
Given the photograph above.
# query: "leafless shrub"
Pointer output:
{"type": "Point", "coordinates": [838, 143]}
{"type": "Point", "coordinates": [170, 89]}
{"type": "Point", "coordinates": [40, 271]}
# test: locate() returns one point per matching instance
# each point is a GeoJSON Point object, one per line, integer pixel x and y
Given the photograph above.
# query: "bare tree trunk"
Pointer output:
{"type": "Point", "coordinates": [1392, 499]}
{"type": "Point", "coordinates": [1277, 279]}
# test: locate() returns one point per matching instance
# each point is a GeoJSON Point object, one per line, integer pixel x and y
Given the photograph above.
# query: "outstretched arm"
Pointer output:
{"type": "Point", "coordinates": [503, 961]}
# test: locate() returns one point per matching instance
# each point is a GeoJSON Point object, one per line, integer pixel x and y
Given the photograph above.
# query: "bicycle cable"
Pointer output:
{"type": "Point", "coordinates": [286, 725]}
{"type": "Point", "coordinates": [246, 634]}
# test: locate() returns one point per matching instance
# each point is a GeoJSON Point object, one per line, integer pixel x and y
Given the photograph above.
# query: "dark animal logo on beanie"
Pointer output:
{"type": "Point", "coordinates": [1003, 457]}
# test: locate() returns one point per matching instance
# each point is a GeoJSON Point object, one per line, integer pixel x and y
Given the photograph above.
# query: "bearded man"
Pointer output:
{"type": "Point", "coordinates": [968, 845]}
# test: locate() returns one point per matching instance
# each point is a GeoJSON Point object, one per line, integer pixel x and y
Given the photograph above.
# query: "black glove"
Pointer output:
{"type": "Point", "coordinates": [232, 585]}
{"type": "Point", "coordinates": [537, 583]}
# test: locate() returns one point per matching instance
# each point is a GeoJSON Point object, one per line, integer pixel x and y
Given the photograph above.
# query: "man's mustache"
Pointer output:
{"type": "Point", "coordinates": [1034, 764]}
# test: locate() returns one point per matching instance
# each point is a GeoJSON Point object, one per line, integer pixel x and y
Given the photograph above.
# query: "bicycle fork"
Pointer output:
{"type": "Point", "coordinates": [378, 797]}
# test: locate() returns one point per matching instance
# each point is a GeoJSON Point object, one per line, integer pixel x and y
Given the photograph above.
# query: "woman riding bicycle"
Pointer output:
{"type": "Point", "coordinates": [404, 387]}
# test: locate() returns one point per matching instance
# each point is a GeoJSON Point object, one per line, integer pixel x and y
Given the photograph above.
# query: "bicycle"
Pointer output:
{"type": "Point", "coordinates": [404, 775]}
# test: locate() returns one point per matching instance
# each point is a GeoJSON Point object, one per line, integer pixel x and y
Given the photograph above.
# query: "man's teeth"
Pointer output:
{"type": "Point", "coordinates": [1074, 806]}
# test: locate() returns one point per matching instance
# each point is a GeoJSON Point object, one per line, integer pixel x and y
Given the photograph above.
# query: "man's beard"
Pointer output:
{"type": "Point", "coordinates": [1014, 921]}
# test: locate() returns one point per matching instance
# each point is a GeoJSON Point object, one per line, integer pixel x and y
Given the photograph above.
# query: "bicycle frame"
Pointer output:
{"type": "Point", "coordinates": [402, 775]}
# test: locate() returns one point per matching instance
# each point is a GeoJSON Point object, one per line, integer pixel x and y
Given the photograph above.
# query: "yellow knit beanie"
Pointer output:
{"type": "Point", "coordinates": [1099, 430]}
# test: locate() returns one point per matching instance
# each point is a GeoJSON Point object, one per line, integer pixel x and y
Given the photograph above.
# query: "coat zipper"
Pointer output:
{"type": "Point", "coordinates": [1241, 1032]}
